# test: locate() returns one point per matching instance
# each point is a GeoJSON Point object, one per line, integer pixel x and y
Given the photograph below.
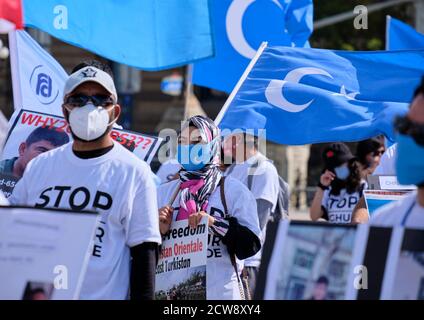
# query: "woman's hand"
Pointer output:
{"type": "Point", "coordinates": [195, 218]}
{"type": "Point", "coordinates": [165, 218]}
{"type": "Point", "coordinates": [326, 178]}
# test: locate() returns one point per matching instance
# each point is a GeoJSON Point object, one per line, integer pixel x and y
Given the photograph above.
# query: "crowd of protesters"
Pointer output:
{"type": "Point", "coordinates": [238, 198]}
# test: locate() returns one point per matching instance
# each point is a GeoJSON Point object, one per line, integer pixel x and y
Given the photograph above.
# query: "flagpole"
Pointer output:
{"type": "Point", "coordinates": [14, 67]}
{"type": "Point", "coordinates": [388, 18]}
{"type": "Point", "coordinates": [188, 88]}
{"type": "Point", "coordinates": [240, 82]}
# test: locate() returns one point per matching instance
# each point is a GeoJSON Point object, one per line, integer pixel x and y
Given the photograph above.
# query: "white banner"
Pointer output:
{"type": "Point", "coordinates": [38, 79]}
{"type": "Point", "coordinates": [41, 258]}
{"type": "Point", "coordinates": [181, 271]}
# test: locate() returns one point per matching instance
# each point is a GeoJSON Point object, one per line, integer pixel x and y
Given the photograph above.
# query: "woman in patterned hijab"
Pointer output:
{"type": "Point", "coordinates": [198, 154]}
{"type": "Point", "coordinates": [229, 207]}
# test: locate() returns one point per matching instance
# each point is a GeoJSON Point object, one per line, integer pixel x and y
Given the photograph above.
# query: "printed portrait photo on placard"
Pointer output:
{"type": "Point", "coordinates": [313, 263]}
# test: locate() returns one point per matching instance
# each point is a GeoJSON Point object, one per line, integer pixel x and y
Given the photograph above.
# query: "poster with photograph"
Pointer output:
{"type": "Point", "coordinates": [181, 270]}
{"type": "Point", "coordinates": [7, 183]}
{"type": "Point", "coordinates": [375, 199]}
{"type": "Point", "coordinates": [40, 256]}
{"type": "Point", "coordinates": [404, 276]}
{"type": "Point", "coordinates": [313, 261]}
{"type": "Point", "coordinates": [33, 133]}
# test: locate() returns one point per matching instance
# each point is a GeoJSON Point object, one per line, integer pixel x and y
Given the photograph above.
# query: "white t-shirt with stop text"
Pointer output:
{"type": "Point", "coordinates": [221, 279]}
{"type": "Point", "coordinates": [119, 186]}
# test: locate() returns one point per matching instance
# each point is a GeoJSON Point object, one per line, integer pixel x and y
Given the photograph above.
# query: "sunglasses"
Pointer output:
{"type": "Point", "coordinates": [99, 100]}
{"type": "Point", "coordinates": [378, 153]}
{"type": "Point", "coordinates": [407, 127]}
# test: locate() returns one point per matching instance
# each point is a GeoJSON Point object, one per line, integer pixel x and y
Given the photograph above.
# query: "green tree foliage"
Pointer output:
{"type": "Point", "coordinates": [343, 35]}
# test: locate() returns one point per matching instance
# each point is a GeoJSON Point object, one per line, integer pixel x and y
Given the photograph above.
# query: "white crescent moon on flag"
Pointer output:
{"type": "Point", "coordinates": [234, 27]}
{"type": "Point", "coordinates": [274, 91]}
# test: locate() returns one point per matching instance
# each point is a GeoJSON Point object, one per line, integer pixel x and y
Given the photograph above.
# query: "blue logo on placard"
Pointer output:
{"type": "Point", "coordinates": [43, 85]}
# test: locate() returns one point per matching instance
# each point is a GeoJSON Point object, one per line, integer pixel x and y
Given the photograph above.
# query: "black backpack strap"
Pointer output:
{"type": "Point", "coordinates": [254, 166]}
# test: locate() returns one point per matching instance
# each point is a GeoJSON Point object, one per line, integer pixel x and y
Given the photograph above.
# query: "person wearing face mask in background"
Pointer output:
{"type": "Point", "coordinates": [93, 172]}
{"type": "Point", "coordinates": [260, 176]}
{"type": "Point", "coordinates": [409, 211]}
{"type": "Point", "coordinates": [227, 204]}
{"type": "Point", "coordinates": [340, 187]}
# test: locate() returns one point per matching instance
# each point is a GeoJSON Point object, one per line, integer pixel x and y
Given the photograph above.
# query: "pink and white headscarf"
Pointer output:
{"type": "Point", "coordinates": [197, 186]}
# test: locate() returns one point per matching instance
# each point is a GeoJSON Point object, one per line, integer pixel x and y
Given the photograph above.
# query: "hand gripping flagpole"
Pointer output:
{"type": "Point", "coordinates": [240, 82]}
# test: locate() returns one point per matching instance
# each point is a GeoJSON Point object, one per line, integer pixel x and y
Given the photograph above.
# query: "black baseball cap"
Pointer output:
{"type": "Point", "coordinates": [336, 154]}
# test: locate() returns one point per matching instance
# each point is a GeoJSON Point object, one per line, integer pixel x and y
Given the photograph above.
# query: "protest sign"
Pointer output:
{"type": "Point", "coordinates": [51, 131]}
{"type": "Point", "coordinates": [383, 182]}
{"type": "Point", "coordinates": [312, 261]}
{"type": "Point", "coordinates": [375, 199]}
{"type": "Point", "coordinates": [315, 260]}
{"type": "Point", "coordinates": [181, 270]}
{"type": "Point", "coordinates": [40, 256]}
{"type": "Point", "coordinates": [7, 183]}
{"type": "Point", "coordinates": [404, 276]}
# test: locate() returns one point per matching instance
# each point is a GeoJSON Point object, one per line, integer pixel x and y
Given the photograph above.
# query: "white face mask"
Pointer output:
{"type": "Point", "coordinates": [89, 122]}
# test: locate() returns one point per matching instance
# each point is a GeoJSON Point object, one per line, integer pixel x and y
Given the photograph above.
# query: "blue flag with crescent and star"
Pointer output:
{"type": "Point", "coordinates": [401, 36]}
{"type": "Point", "coordinates": [240, 26]}
{"type": "Point", "coordinates": [303, 95]}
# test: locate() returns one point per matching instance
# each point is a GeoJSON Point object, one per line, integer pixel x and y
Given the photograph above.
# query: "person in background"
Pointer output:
{"type": "Point", "coordinates": [340, 186]}
{"type": "Point", "coordinates": [375, 160]}
{"type": "Point", "coordinates": [35, 294]}
{"type": "Point", "coordinates": [387, 167]}
{"type": "Point", "coordinates": [320, 289]}
{"type": "Point", "coordinates": [168, 170]}
{"type": "Point", "coordinates": [409, 211]}
{"type": "Point", "coordinates": [387, 162]}
{"type": "Point", "coordinates": [369, 153]}
{"type": "Point", "coordinates": [260, 176]}
{"type": "Point", "coordinates": [40, 140]}
{"type": "Point", "coordinates": [227, 204]}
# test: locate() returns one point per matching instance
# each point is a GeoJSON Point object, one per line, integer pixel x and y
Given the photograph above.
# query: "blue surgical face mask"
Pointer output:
{"type": "Point", "coordinates": [342, 172]}
{"type": "Point", "coordinates": [194, 157]}
{"type": "Point", "coordinates": [409, 161]}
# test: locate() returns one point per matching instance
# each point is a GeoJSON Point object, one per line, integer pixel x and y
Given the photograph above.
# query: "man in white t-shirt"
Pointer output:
{"type": "Point", "coordinates": [95, 173]}
{"type": "Point", "coordinates": [255, 171]}
{"type": "Point", "coordinates": [409, 211]}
